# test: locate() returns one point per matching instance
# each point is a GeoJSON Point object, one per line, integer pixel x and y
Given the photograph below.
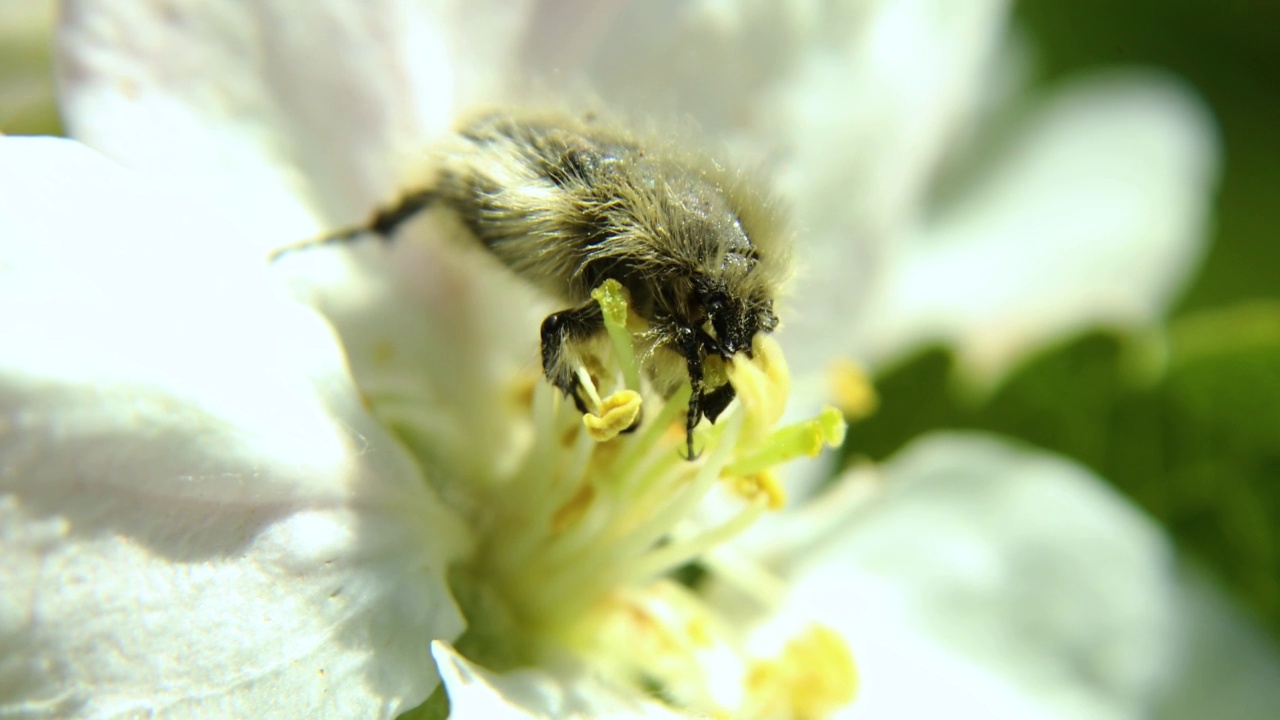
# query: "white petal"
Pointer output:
{"type": "Point", "coordinates": [1095, 212]}
{"type": "Point", "coordinates": [429, 324]}
{"type": "Point", "coordinates": [562, 695]}
{"type": "Point", "coordinates": [299, 115]}
{"type": "Point", "coordinates": [998, 582]}
{"type": "Point", "coordinates": [196, 515]}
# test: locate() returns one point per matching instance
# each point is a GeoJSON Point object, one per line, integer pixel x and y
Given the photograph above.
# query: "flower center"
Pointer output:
{"type": "Point", "coordinates": [592, 510]}
{"type": "Point", "coordinates": [591, 513]}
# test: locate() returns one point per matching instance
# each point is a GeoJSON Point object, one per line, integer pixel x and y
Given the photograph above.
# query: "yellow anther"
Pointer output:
{"type": "Point", "coordinates": [814, 676]}
{"type": "Point", "coordinates": [762, 484]}
{"type": "Point", "coordinates": [852, 389]}
{"type": "Point", "coordinates": [618, 412]}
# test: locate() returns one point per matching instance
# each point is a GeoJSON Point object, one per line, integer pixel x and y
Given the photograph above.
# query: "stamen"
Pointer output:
{"type": "Point", "coordinates": [589, 387]}
{"type": "Point", "coordinates": [613, 303]}
{"type": "Point", "coordinates": [628, 464]}
{"type": "Point", "coordinates": [674, 554]}
{"type": "Point", "coordinates": [800, 439]}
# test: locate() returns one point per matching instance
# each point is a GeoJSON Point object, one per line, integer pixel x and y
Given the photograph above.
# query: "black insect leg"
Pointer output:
{"type": "Point", "coordinates": [383, 223]}
{"type": "Point", "coordinates": [690, 347]}
{"type": "Point", "coordinates": [558, 330]}
{"type": "Point", "coordinates": [387, 220]}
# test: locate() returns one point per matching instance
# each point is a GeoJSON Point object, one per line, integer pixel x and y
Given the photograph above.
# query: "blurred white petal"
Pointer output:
{"type": "Point", "coordinates": [433, 327]}
{"type": "Point", "coordinates": [297, 116]}
{"type": "Point", "coordinates": [861, 127]}
{"type": "Point", "coordinates": [997, 582]}
{"type": "Point", "coordinates": [196, 513]}
{"type": "Point", "coordinates": [1094, 212]}
{"type": "Point", "coordinates": [538, 694]}
{"type": "Point", "coordinates": [1231, 667]}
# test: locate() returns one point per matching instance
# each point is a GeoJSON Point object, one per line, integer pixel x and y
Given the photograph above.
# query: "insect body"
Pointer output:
{"type": "Point", "coordinates": [568, 204]}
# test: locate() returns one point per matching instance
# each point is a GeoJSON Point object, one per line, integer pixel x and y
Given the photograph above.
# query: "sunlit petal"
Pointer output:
{"type": "Point", "coordinates": [568, 694]}
{"type": "Point", "coordinates": [197, 513]}
{"type": "Point", "coordinates": [300, 116]}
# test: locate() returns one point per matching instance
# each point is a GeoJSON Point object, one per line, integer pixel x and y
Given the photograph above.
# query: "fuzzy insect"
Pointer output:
{"type": "Point", "coordinates": [567, 203]}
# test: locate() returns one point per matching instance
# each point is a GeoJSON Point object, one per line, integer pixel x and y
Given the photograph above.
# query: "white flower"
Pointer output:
{"type": "Point", "coordinates": [206, 513]}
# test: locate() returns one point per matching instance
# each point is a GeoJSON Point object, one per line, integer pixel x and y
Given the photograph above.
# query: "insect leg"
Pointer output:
{"type": "Point", "coordinates": [690, 346]}
{"type": "Point", "coordinates": [560, 329]}
{"type": "Point", "coordinates": [715, 401]}
{"type": "Point", "coordinates": [387, 220]}
{"type": "Point", "coordinates": [383, 223]}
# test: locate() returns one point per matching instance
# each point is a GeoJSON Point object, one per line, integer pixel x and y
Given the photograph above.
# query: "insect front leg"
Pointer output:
{"type": "Point", "coordinates": [690, 347]}
{"type": "Point", "coordinates": [558, 331]}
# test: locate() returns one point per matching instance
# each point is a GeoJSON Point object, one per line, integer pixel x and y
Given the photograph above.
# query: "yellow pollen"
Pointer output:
{"type": "Point", "coordinates": [617, 413]}
{"type": "Point", "coordinates": [852, 389]}
{"type": "Point", "coordinates": [813, 677]}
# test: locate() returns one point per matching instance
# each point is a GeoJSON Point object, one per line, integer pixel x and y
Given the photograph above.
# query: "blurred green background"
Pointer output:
{"type": "Point", "coordinates": [1198, 445]}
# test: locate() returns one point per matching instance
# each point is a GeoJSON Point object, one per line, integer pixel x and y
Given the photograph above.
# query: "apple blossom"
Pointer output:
{"type": "Point", "coordinates": [217, 506]}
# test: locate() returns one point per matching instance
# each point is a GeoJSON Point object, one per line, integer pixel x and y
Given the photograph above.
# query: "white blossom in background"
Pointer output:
{"type": "Point", "coordinates": [216, 505]}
